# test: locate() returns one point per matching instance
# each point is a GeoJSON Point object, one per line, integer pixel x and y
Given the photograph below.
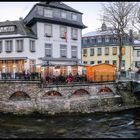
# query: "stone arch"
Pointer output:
{"type": "Point", "coordinates": [52, 93]}
{"type": "Point", "coordinates": [80, 92]}
{"type": "Point", "coordinates": [105, 90]}
{"type": "Point", "coordinates": [19, 95]}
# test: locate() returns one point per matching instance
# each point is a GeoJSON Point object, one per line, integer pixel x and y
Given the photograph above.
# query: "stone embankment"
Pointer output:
{"type": "Point", "coordinates": [23, 97]}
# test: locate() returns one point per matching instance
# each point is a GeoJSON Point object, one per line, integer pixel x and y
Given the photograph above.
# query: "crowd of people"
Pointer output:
{"type": "Point", "coordinates": [64, 78]}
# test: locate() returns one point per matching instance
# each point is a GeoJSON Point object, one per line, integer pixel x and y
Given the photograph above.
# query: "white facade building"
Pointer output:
{"type": "Point", "coordinates": [49, 36]}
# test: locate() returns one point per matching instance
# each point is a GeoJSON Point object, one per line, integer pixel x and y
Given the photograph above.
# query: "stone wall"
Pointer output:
{"type": "Point", "coordinates": [26, 98]}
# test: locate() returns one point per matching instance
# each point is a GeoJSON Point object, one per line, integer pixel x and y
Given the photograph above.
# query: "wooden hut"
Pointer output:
{"type": "Point", "coordinates": [101, 72]}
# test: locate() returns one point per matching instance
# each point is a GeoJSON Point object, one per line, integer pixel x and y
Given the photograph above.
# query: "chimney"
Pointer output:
{"type": "Point", "coordinates": [20, 18]}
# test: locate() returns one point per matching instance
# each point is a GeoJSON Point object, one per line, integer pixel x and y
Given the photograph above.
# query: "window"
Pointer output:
{"type": "Point", "coordinates": [74, 51]}
{"type": "Point", "coordinates": [123, 63]}
{"type": "Point", "coordinates": [85, 52]}
{"type": "Point", "coordinates": [32, 64]}
{"type": "Point", "coordinates": [99, 51]}
{"type": "Point", "coordinates": [123, 50]}
{"type": "Point", "coordinates": [107, 51]}
{"type": "Point", "coordinates": [115, 62]}
{"type": "Point", "coordinates": [85, 62]}
{"type": "Point", "coordinates": [32, 45]}
{"type": "Point", "coordinates": [138, 53]}
{"type": "Point", "coordinates": [74, 17]}
{"type": "Point", "coordinates": [48, 30]}
{"type": "Point", "coordinates": [106, 61]}
{"type": "Point", "coordinates": [114, 50]}
{"type": "Point", "coordinates": [106, 39]}
{"type": "Point", "coordinates": [48, 50]}
{"type": "Point", "coordinates": [99, 39]}
{"type": "Point", "coordinates": [91, 62]}
{"type": "Point", "coordinates": [48, 13]}
{"type": "Point", "coordinates": [0, 46]}
{"type": "Point", "coordinates": [91, 51]}
{"type": "Point", "coordinates": [99, 62]}
{"type": "Point", "coordinates": [63, 14]}
{"type": "Point", "coordinates": [19, 44]}
{"type": "Point", "coordinates": [74, 33]}
{"type": "Point", "coordinates": [40, 11]}
{"type": "Point", "coordinates": [63, 51]}
{"type": "Point", "coordinates": [9, 45]}
{"type": "Point", "coordinates": [137, 64]}
{"type": "Point", "coordinates": [63, 30]}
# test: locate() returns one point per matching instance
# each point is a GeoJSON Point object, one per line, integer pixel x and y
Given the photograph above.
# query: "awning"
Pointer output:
{"type": "Point", "coordinates": [13, 58]}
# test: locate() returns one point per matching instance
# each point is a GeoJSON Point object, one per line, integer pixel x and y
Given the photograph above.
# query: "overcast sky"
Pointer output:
{"type": "Point", "coordinates": [91, 12]}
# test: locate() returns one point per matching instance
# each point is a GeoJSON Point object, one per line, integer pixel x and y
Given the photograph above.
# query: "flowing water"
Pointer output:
{"type": "Point", "coordinates": [125, 124]}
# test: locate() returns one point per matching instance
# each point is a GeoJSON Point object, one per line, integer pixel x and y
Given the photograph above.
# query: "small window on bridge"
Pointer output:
{"type": "Point", "coordinates": [19, 95]}
{"type": "Point", "coordinates": [52, 93]}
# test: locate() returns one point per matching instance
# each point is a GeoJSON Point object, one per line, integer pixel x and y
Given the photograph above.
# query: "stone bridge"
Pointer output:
{"type": "Point", "coordinates": [23, 97]}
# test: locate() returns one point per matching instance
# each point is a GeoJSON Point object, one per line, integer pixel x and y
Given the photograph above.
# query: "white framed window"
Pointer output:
{"type": "Point", "coordinates": [48, 50]}
{"type": "Point", "coordinates": [63, 30]}
{"type": "Point", "coordinates": [138, 53]}
{"type": "Point", "coordinates": [99, 39]}
{"type": "Point", "coordinates": [32, 45]}
{"type": "Point", "coordinates": [19, 44]}
{"type": "Point", "coordinates": [32, 63]}
{"type": "Point", "coordinates": [40, 10]}
{"type": "Point", "coordinates": [107, 51]}
{"type": "Point", "coordinates": [48, 30]}
{"type": "Point", "coordinates": [74, 33]}
{"type": "Point", "coordinates": [99, 62]}
{"type": "Point", "coordinates": [9, 45]}
{"type": "Point", "coordinates": [114, 62]}
{"type": "Point", "coordinates": [92, 62]}
{"type": "Point", "coordinates": [48, 12]}
{"type": "Point", "coordinates": [91, 51]}
{"type": "Point", "coordinates": [99, 51]}
{"type": "Point", "coordinates": [0, 46]}
{"type": "Point", "coordinates": [107, 61]}
{"type": "Point", "coordinates": [63, 50]}
{"type": "Point", "coordinates": [106, 39]}
{"type": "Point", "coordinates": [74, 17]}
{"type": "Point", "coordinates": [63, 14]}
{"type": "Point", "coordinates": [74, 51]}
{"type": "Point", "coordinates": [85, 52]}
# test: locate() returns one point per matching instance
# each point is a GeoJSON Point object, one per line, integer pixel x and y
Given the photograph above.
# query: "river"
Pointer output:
{"type": "Point", "coordinates": [124, 124]}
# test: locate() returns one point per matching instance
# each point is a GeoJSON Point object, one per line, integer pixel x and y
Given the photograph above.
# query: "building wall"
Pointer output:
{"type": "Point", "coordinates": [127, 57]}
{"type": "Point", "coordinates": [55, 40]}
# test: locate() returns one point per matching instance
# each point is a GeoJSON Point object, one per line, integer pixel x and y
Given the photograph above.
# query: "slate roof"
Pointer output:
{"type": "Point", "coordinates": [136, 42]}
{"type": "Point", "coordinates": [59, 5]}
{"type": "Point", "coordinates": [21, 29]}
{"type": "Point", "coordinates": [97, 33]}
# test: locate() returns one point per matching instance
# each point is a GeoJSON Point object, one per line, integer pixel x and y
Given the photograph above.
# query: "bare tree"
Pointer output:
{"type": "Point", "coordinates": [119, 15]}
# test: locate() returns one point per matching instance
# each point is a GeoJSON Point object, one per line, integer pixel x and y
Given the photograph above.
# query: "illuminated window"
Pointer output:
{"type": "Point", "coordinates": [123, 50]}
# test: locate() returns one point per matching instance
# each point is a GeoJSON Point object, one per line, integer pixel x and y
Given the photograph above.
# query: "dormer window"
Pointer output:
{"type": "Point", "coordinates": [48, 13]}
{"type": "Point", "coordinates": [99, 39]}
{"type": "Point", "coordinates": [74, 17]}
{"type": "Point", "coordinates": [63, 14]}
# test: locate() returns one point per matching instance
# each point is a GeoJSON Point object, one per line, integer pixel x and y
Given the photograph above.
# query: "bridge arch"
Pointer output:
{"type": "Point", "coordinates": [19, 95]}
{"type": "Point", "coordinates": [52, 93]}
{"type": "Point", "coordinates": [105, 90]}
{"type": "Point", "coordinates": [80, 92]}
